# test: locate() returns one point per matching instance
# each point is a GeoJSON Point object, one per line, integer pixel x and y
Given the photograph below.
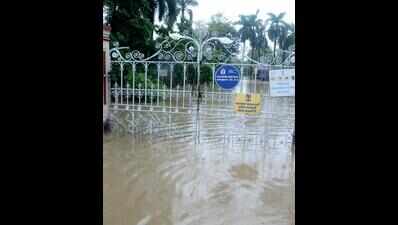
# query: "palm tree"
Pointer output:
{"type": "Point", "coordinates": [286, 39]}
{"type": "Point", "coordinates": [255, 37]}
{"type": "Point", "coordinates": [166, 9]}
{"type": "Point", "coordinates": [277, 28]}
{"type": "Point", "coordinates": [290, 39]}
{"type": "Point", "coordinates": [248, 30]}
{"type": "Point", "coordinates": [261, 43]}
{"type": "Point", "coordinates": [184, 7]}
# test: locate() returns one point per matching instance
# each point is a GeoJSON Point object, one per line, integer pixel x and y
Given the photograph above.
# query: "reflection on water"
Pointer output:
{"type": "Point", "coordinates": [239, 174]}
{"type": "Point", "coordinates": [250, 86]}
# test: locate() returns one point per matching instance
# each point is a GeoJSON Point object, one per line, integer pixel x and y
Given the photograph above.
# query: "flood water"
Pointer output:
{"type": "Point", "coordinates": [241, 172]}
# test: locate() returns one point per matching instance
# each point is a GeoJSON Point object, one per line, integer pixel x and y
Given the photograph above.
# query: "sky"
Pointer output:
{"type": "Point", "coordinates": [233, 8]}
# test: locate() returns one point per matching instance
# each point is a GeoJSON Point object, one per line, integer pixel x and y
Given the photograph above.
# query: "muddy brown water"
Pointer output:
{"type": "Point", "coordinates": [239, 174]}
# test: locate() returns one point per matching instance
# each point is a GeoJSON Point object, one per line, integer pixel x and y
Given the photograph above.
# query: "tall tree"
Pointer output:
{"type": "Point", "coordinates": [166, 11]}
{"type": "Point", "coordinates": [248, 30]}
{"type": "Point", "coordinates": [221, 26]}
{"type": "Point", "coordinates": [277, 29]}
{"type": "Point", "coordinates": [183, 7]}
{"type": "Point", "coordinates": [290, 40]}
{"type": "Point", "coordinates": [132, 21]}
{"type": "Point", "coordinates": [261, 43]}
{"type": "Point", "coordinates": [286, 39]}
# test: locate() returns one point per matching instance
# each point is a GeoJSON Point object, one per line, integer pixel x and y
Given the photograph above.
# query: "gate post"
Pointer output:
{"type": "Point", "coordinates": [198, 98]}
{"type": "Point", "coordinates": [105, 73]}
{"type": "Point", "coordinates": [107, 89]}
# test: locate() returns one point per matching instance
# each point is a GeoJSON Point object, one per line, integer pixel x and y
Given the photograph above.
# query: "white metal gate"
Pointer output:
{"type": "Point", "coordinates": [171, 81]}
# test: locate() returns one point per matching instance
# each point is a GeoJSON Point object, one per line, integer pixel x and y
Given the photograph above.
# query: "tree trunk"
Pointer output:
{"type": "Point", "coordinates": [282, 47]}
{"type": "Point", "coordinates": [259, 54]}
{"type": "Point", "coordinates": [244, 49]}
{"type": "Point", "coordinates": [182, 14]}
{"type": "Point", "coordinates": [274, 48]}
{"type": "Point", "coordinates": [152, 18]}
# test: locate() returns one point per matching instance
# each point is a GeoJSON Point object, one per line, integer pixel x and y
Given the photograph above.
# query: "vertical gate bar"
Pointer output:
{"type": "Point", "coordinates": [265, 80]}
{"type": "Point", "coordinates": [269, 81]}
{"type": "Point", "coordinates": [104, 102]}
{"type": "Point", "coordinates": [268, 68]}
{"type": "Point", "coordinates": [164, 97]}
{"type": "Point", "coordinates": [198, 102]}
{"type": "Point", "coordinates": [226, 94]}
{"type": "Point", "coordinates": [190, 96]}
{"type": "Point", "coordinates": [183, 91]}
{"type": "Point", "coordinates": [116, 94]}
{"type": "Point", "coordinates": [198, 80]}
{"type": "Point", "coordinates": [178, 87]}
{"type": "Point", "coordinates": [108, 89]}
{"type": "Point", "coordinates": [169, 131]}
{"type": "Point", "coordinates": [171, 84]}
{"type": "Point", "coordinates": [133, 85]}
{"type": "Point", "coordinates": [151, 96]}
{"type": "Point", "coordinates": [127, 94]}
{"type": "Point", "coordinates": [242, 76]}
{"type": "Point", "coordinates": [255, 79]}
{"type": "Point", "coordinates": [212, 87]}
{"type": "Point", "coordinates": [146, 77]}
{"type": "Point", "coordinates": [121, 83]}
{"type": "Point", "coordinates": [134, 129]}
{"type": "Point", "coordinates": [204, 94]}
{"type": "Point", "coordinates": [158, 67]}
{"type": "Point", "coordinates": [139, 96]}
{"type": "Point", "coordinates": [112, 88]}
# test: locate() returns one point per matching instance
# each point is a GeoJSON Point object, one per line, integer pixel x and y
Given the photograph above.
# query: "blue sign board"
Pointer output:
{"type": "Point", "coordinates": [227, 76]}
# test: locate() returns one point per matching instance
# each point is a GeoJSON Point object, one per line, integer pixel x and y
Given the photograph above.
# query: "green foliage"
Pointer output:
{"type": "Point", "coordinates": [183, 7]}
{"type": "Point", "coordinates": [140, 80]}
{"type": "Point", "coordinates": [206, 74]}
{"type": "Point", "coordinates": [167, 11]}
{"type": "Point", "coordinates": [222, 26]}
{"type": "Point", "coordinates": [278, 29]}
{"type": "Point", "coordinates": [132, 21]}
{"type": "Point", "coordinates": [185, 26]}
{"type": "Point", "coordinates": [256, 31]}
{"type": "Point", "coordinates": [162, 31]}
{"type": "Point", "coordinates": [253, 29]}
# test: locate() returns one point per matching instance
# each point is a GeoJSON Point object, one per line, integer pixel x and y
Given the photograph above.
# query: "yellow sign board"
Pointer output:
{"type": "Point", "coordinates": [247, 103]}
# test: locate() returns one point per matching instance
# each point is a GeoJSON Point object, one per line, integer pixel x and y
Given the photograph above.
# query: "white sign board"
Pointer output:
{"type": "Point", "coordinates": [282, 82]}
